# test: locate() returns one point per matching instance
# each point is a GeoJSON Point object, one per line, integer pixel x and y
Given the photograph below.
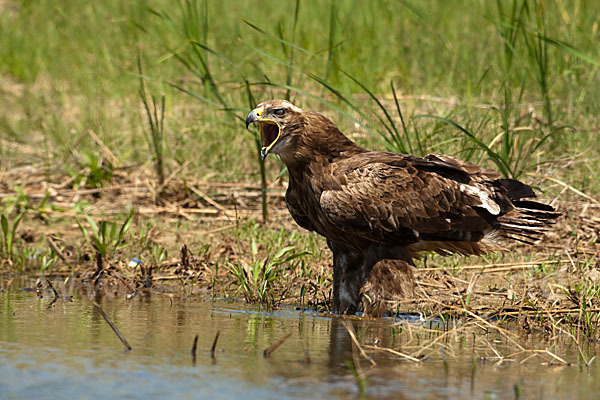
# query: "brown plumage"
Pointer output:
{"type": "Point", "coordinates": [379, 210]}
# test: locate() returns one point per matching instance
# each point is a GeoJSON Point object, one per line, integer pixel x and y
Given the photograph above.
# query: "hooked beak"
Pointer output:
{"type": "Point", "coordinates": [269, 134]}
{"type": "Point", "coordinates": [252, 117]}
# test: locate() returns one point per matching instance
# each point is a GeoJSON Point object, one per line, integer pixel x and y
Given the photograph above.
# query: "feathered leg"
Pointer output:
{"type": "Point", "coordinates": [348, 276]}
{"type": "Point", "coordinates": [389, 281]}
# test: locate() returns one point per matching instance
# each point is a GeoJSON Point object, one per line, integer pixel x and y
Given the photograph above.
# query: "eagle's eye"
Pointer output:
{"type": "Point", "coordinates": [279, 111]}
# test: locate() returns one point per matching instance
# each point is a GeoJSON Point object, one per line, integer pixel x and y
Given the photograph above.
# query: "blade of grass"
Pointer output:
{"type": "Point", "coordinates": [393, 131]}
{"type": "Point", "coordinates": [399, 111]}
{"type": "Point", "coordinates": [382, 136]}
{"type": "Point", "coordinates": [299, 48]}
{"type": "Point", "coordinates": [504, 168]}
{"type": "Point", "coordinates": [261, 163]}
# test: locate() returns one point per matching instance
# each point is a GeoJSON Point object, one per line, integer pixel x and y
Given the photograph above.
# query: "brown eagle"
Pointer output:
{"type": "Point", "coordinates": [379, 210]}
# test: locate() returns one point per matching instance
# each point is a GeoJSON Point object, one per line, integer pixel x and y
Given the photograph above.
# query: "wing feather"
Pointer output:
{"type": "Point", "coordinates": [398, 202]}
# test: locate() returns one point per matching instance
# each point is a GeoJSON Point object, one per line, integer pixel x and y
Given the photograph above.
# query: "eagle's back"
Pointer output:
{"type": "Point", "coordinates": [433, 203]}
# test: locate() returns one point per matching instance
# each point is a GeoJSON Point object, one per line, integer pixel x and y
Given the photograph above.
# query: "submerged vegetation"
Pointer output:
{"type": "Point", "coordinates": [124, 160]}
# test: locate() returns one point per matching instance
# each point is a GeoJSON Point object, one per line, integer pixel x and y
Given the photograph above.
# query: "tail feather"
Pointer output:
{"type": "Point", "coordinates": [527, 222]}
{"type": "Point", "coordinates": [533, 205]}
{"type": "Point", "coordinates": [526, 240]}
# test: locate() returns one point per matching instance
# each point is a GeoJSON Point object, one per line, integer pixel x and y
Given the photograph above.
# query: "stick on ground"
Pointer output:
{"type": "Point", "coordinates": [58, 251]}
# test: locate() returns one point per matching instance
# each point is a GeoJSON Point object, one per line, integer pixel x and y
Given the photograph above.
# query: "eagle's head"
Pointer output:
{"type": "Point", "coordinates": [277, 121]}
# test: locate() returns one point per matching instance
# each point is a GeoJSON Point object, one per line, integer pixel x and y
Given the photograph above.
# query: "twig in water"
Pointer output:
{"type": "Point", "coordinates": [274, 346]}
{"type": "Point", "coordinates": [538, 352]}
{"type": "Point", "coordinates": [214, 346]}
{"type": "Point", "coordinates": [559, 359]}
{"type": "Point", "coordinates": [555, 325]}
{"type": "Point", "coordinates": [193, 351]}
{"type": "Point", "coordinates": [53, 291]}
{"type": "Point", "coordinates": [122, 280]}
{"type": "Point", "coordinates": [406, 356]}
{"type": "Point", "coordinates": [306, 355]}
{"type": "Point", "coordinates": [52, 288]}
{"type": "Point", "coordinates": [532, 355]}
{"type": "Point", "coordinates": [114, 328]}
{"type": "Point", "coordinates": [502, 331]}
{"type": "Point", "coordinates": [433, 342]}
{"type": "Point", "coordinates": [358, 346]}
{"type": "Point", "coordinates": [500, 357]}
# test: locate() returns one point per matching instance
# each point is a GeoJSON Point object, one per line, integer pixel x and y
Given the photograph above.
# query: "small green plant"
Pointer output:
{"type": "Point", "coordinates": [16, 202]}
{"type": "Point", "coordinates": [106, 237]}
{"type": "Point", "coordinates": [146, 248]}
{"type": "Point", "coordinates": [46, 262]}
{"type": "Point", "coordinates": [25, 256]}
{"type": "Point", "coordinates": [157, 254]}
{"type": "Point", "coordinates": [584, 295]}
{"type": "Point", "coordinates": [91, 170]}
{"type": "Point", "coordinates": [9, 229]}
{"type": "Point", "coordinates": [99, 171]}
{"type": "Point", "coordinates": [256, 280]}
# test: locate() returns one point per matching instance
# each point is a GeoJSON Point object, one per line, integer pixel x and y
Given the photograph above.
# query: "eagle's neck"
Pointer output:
{"type": "Point", "coordinates": [317, 141]}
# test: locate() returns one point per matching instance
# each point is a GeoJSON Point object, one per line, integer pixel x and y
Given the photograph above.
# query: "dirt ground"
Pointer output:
{"type": "Point", "coordinates": [198, 229]}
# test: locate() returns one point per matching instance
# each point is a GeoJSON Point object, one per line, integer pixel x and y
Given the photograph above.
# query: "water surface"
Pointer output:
{"type": "Point", "coordinates": [67, 350]}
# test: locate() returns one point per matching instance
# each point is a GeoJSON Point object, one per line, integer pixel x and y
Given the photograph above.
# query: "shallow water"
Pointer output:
{"type": "Point", "coordinates": [68, 351]}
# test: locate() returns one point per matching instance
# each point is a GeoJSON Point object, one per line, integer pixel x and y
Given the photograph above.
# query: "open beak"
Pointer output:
{"type": "Point", "coordinates": [269, 129]}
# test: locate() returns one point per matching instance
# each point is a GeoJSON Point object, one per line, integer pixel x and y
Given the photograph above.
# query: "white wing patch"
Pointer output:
{"type": "Point", "coordinates": [484, 198]}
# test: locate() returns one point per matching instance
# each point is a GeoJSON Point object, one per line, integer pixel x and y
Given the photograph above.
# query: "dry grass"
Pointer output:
{"type": "Point", "coordinates": [550, 288]}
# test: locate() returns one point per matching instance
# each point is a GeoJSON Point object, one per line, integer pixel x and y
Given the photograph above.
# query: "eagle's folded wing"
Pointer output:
{"type": "Point", "coordinates": [396, 205]}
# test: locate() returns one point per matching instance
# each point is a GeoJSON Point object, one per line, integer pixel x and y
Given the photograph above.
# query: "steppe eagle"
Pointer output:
{"type": "Point", "coordinates": [379, 210]}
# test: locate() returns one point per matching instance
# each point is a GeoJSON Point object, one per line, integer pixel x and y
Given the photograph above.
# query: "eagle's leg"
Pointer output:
{"type": "Point", "coordinates": [389, 281]}
{"type": "Point", "coordinates": [348, 276]}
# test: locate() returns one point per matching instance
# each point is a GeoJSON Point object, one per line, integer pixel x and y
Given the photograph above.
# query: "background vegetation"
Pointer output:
{"type": "Point", "coordinates": [512, 73]}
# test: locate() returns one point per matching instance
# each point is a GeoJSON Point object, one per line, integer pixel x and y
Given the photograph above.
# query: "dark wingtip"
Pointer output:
{"type": "Point", "coordinates": [516, 190]}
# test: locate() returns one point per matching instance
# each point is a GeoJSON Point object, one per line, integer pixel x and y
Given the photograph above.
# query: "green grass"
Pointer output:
{"type": "Point", "coordinates": [106, 237]}
{"type": "Point", "coordinates": [8, 229]}
{"type": "Point", "coordinates": [510, 73]}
